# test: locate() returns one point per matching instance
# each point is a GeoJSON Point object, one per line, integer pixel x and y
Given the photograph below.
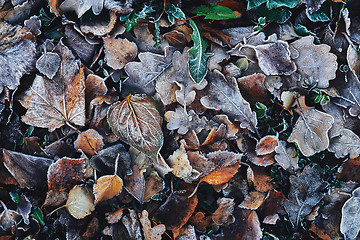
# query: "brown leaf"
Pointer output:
{"type": "Point", "coordinates": [118, 52]}
{"type": "Point", "coordinates": [63, 175]}
{"type": "Point", "coordinates": [90, 142]}
{"type": "Point", "coordinates": [200, 221]}
{"type": "Point", "coordinates": [223, 214]}
{"type": "Point", "coordinates": [135, 183]}
{"type": "Point", "coordinates": [107, 187]}
{"type": "Point", "coordinates": [253, 201]}
{"type": "Point", "coordinates": [91, 229]}
{"type": "Point", "coordinates": [8, 218]}
{"type": "Point", "coordinates": [176, 39]}
{"type": "Point", "coordinates": [29, 171]}
{"type": "Point", "coordinates": [268, 212]}
{"type": "Point", "coordinates": [349, 170]}
{"type": "Point", "coordinates": [260, 179]}
{"type": "Point", "coordinates": [253, 89]}
{"type": "Point", "coordinates": [115, 216]}
{"type": "Point", "coordinates": [100, 25]}
{"type": "Point", "coordinates": [17, 47]}
{"type": "Point", "coordinates": [187, 233]}
{"type": "Point", "coordinates": [80, 202]}
{"type": "Point", "coordinates": [150, 233]}
{"type": "Point", "coordinates": [315, 63]}
{"type": "Point", "coordinates": [286, 157]}
{"type": "Point", "coordinates": [48, 64]}
{"type": "Point", "coordinates": [183, 121]}
{"type": "Point", "coordinates": [154, 184]}
{"type": "Point", "coordinates": [137, 122]}
{"type": "Point", "coordinates": [266, 145]}
{"type": "Point", "coordinates": [311, 129]}
{"type": "Point", "coordinates": [177, 210]}
{"type": "Point", "coordinates": [353, 59]}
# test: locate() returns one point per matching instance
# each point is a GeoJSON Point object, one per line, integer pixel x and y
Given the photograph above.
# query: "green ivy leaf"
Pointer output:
{"type": "Point", "coordinates": [174, 12]}
{"type": "Point", "coordinates": [198, 59]}
{"type": "Point", "coordinates": [215, 12]}
{"type": "Point", "coordinates": [132, 20]}
{"type": "Point", "coordinates": [254, 3]}
{"type": "Point", "coordinates": [38, 215]}
{"type": "Point", "coordinates": [324, 14]}
{"type": "Point", "coordinates": [303, 31]}
{"type": "Point", "coordinates": [279, 15]}
{"type": "Point", "coordinates": [271, 4]}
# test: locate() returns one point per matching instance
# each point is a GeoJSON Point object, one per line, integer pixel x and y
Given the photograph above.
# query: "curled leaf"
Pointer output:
{"type": "Point", "coordinates": [107, 187]}
{"type": "Point", "coordinates": [80, 202]}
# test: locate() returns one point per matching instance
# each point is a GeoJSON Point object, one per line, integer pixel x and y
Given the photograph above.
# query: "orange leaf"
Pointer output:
{"type": "Point", "coordinates": [107, 187]}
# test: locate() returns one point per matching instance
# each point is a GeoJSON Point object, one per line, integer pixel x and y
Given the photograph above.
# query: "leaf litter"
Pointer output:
{"type": "Point", "coordinates": [179, 120]}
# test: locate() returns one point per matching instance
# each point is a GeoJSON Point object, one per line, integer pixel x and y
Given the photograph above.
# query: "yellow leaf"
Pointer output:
{"type": "Point", "coordinates": [107, 187]}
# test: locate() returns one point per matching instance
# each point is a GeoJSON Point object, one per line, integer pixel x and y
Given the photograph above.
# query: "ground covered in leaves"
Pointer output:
{"type": "Point", "coordinates": [233, 119]}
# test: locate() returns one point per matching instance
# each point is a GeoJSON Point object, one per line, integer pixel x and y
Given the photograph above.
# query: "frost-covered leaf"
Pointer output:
{"type": "Point", "coordinates": [313, 5]}
{"type": "Point", "coordinates": [48, 64]}
{"type": "Point", "coordinates": [350, 216]}
{"type": "Point", "coordinates": [53, 103]}
{"type": "Point", "coordinates": [198, 59]}
{"type": "Point", "coordinates": [311, 129]}
{"type": "Point", "coordinates": [80, 7]}
{"type": "Point", "coordinates": [266, 145]}
{"type": "Point", "coordinates": [223, 214]}
{"type": "Point", "coordinates": [118, 52]}
{"type": "Point", "coordinates": [183, 121]}
{"type": "Point", "coordinates": [8, 218]}
{"type": "Point", "coordinates": [315, 63]}
{"type": "Point", "coordinates": [80, 202]}
{"type": "Point", "coordinates": [17, 47]}
{"type": "Point", "coordinates": [346, 143]}
{"type": "Point", "coordinates": [143, 75]}
{"type": "Point", "coordinates": [225, 95]}
{"type": "Point", "coordinates": [305, 193]}
{"type": "Point", "coordinates": [286, 157]}
{"type": "Point", "coordinates": [135, 183]}
{"type": "Point", "coordinates": [353, 59]}
{"type": "Point", "coordinates": [274, 58]}
{"type": "Point", "coordinates": [107, 187]}
{"type": "Point", "coordinates": [137, 122]}
{"type": "Point", "coordinates": [215, 12]}
{"type": "Point", "coordinates": [150, 233]}
{"type": "Point", "coordinates": [89, 141]}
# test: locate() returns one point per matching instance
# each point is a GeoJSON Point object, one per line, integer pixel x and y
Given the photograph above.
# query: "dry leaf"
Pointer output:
{"type": "Point", "coordinates": [118, 52]}
{"type": "Point", "coordinates": [339, 119]}
{"type": "Point", "coordinates": [315, 63]}
{"type": "Point", "coordinates": [353, 59]}
{"type": "Point", "coordinates": [270, 209]}
{"type": "Point", "coordinates": [180, 164]}
{"type": "Point", "coordinates": [274, 58]}
{"type": "Point", "coordinates": [219, 55]}
{"type": "Point", "coordinates": [350, 216]}
{"type": "Point", "coordinates": [259, 177]}
{"type": "Point", "coordinates": [48, 64]}
{"type": "Point", "coordinates": [225, 95]}
{"type": "Point", "coordinates": [346, 143]}
{"type": "Point", "coordinates": [176, 39]}
{"type": "Point", "coordinates": [17, 54]}
{"type": "Point", "coordinates": [137, 122]}
{"type": "Point", "coordinates": [350, 170]}
{"type": "Point", "coordinates": [253, 200]}
{"type": "Point", "coordinates": [286, 157]}
{"type": "Point", "coordinates": [107, 187]}
{"type": "Point", "coordinates": [24, 208]}
{"type": "Point", "coordinates": [184, 121]}
{"type": "Point", "coordinates": [80, 7]}
{"type": "Point", "coordinates": [253, 89]}
{"type": "Point", "coordinates": [154, 184]}
{"type": "Point", "coordinates": [100, 25]}
{"type": "Point", "coordinates": [311, 129]}
{"type": "Point", "coordinates": [266, 145]}
{"type": "Point", "coordinates": [151, 233]}
{"type": "Point", "coordinates": [132, 225]}
{"type": "Point", "coordinates": [80, 202]}
{"type": "Point", "coordinates": [305, 193]}
{"type": "Point", "coordinates": [8, 218]}
{"type": "Point", "coordinates": [29, 171]}
{"type": "Point", "coordinates": [90, 142]}
{"type": "Point", "coordinates": [53, 103]}
{"type": "Point", "coordinates": [187, 233]}
{"type": "Point", "coordinates": [135, 183]}
{"type": "Point", "coordinates": [223, 214]}
{"type": "Point", "coordinates": [115, 216]}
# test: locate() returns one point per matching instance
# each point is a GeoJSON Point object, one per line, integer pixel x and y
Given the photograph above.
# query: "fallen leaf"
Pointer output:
{"type": "Point", "coordinates": [177, 210]}
{"type": "Point", "coordinates": [118, 52]}
{"type": "Point", "coordinates": [271, 207]}
{"type": "Point", "coordinates": [219, 55]}
{"type": "Point", "coordinates": [132, 225]}
{"type": "Point", "coordinates": [183, 121]}
{"type": "Point", "coordinates": [346, 143]}
{"type": "Point", "coordinates": [259, 177]}
{"type": "Point", "coordinates": [150, 233]}
{"type": "Point", "coordinates": [349, 170]}
{"type": "Point", "coordinates": [187, 233]}
{"type": "Point", "coordinates": [114, 217]}
{"type": "Point", "coordinates": [17, 54]}
{"type": "Point", "coordinates": [305, 193]}
{"type": "Point", "coordinates": [137, 122]}
{"type": "Point", "coordinates": [107, 187]}
{"type": "Point", "coordinates": [315, 63]}
{"type": "Point", "coordinates": [287, 157]}
{"type": "Point", "coordinates": [253, 88]}
{"type": "Point", "coordinates": [311, 129]}
{"type": "Point", "coordinates": [154, 184]}
{"type": "Point", "coordinates": [225, 95]}
{"type": "Point", "coordinates": [24, 208]}
{"type": "Point", "coordinates": [91, 229]}
{"type": "Point", "coordinates": [223, 214]}
{"type": "Point", "coordinates": [54, 103]}
{"type": "Point", "coordinates": [135, 183]}
{"type": "Point", "coordinates": [48, 64]}
{"type": "Point", "coordinates": [253, 200]}
{"type": "Point", "coordinates": [350, 216]}
{"type": "Point", "coordinates": [266, 145]}
{"type": "Point", "coordinates": [80, 202]}
{"type": "Point", "coordinates": [29, 171]}
{"type": "Point", "coordinates": [200, 222]}
{"type": "Point", "coordinates": [81, 7]}
{"type": "Point", "coordinates": [8, 218]}
{"type": "Point", "coordinates": [339, 120]}
{"type": "Point", "coordinates": [100, 25]}
{"type": "Point", "coordinates": [353, 59]}
{"type": "Point", "coordinates": [274, 58]}
{"type": "Point", "coordinates": [176, 39]}
{"type": "Point", "coordinates": [90, 142]}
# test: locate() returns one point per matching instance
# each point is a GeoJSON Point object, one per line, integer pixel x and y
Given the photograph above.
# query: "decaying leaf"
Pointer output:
{"type": "Point", "coordinates": [305, 193]}
{"type": "Point", "coordinates": [349, 170]}
{"type": "Point", "coordinates": [253, 88]}
{"type": "Point", "coordinates": [154, 184]}
{"type": "Point", "coordinates": [107, 187]}
{"type": "Point", "coordinates": [135, 183]}
{"type": "Point", "coordinates": [80, 202]}
{"type": "Point", "coordinates": [8, 218]}
{"type": "Point", "coordinates": [17, 47]}
{"type": "Point", "coordinates": [54, 103]}
{"type": "Point", "coordinates": [48, 64]}
{"type": "Point", "coordinates": [184, 121]}
{"type": "Point", "coordinates": [24, 208]}
{"type": "Point", "coordinates": [80, 7]}
{"type": "Point", "coordinates": [311, 129]}
{"type": "Point", "coordinates": [118, 52]}
{"type": "Point", "coordinates": [315, 63]}
{"type": "Point", "coordinates": [89, 141]}
{"type": "Point", "coordinates": [266, 145]}
{"type": "Point", "coordinates": [274, 58]}
{"type": "Point", "coordinates": [114, 217]}
{"type": "Point", "coordinates": [346, 143]}
{"type": "Point", "coordinates": [132, 225]}
{"type": "Point", "coordinates": [225, 95]}
{"type": "Point", "coordinates": [100, 26]}
{"type": "Point", "coordinates": [350, 216]}
{"type": "Point", "coordinates": [286, 157]}
{"type": "Point", "coordinates": [223, 214]}
{"type": "Point", "coordinates": [253, 200]}
{"type": "Point", "coordinates": [150, 233]}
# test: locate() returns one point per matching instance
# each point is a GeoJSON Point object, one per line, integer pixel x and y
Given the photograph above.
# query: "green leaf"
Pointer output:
{"type": "Point", "coordinates": [324, 14]}
{"type": "Point", "coordinates": [254, 3]}
{"type": "Point", "coordinates": [198, 59]}
{"type": "Point", "coordinates": [303, 31]}
{"type": "Point", "coordinates": [14, 196]}
{"type": "Point", "coordinates": [133, 21]}
{"type": "Point", "coordinates": [157, 37]}
{"type": "Point", "coordinates": [38, 215]}
{"type": "Point", "coordinates": [29, 131]}
{"type": "Point", "coordinates": [279, 15]}
{"type": "Point", "coordinates": [215, 12]}
{"type": "Point", "coordinates": [174, 12]}
{"type": "Point", "coordinates": [271, 4]}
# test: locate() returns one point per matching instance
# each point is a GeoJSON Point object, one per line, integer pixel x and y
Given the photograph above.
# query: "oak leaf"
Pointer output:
{"type": "Point", "coordinates": [286, 157]}
{"type": "Point", "coordinates": [118, 52]}
{"type": "Point", "coordinates": [150, 233]}
{"type": "Point", "coordinates": [346, 143]}
{"type": "Point", "coordinates": [80, 202]}
{"type": "Point", "coordinates": [350, 216]}
{"type": "Point", "coordinates": [107, 187]}
{"type": "Point", "coordinates": [137, 122]}
{"type": "Point", "coordinates": [183, 121]}
{"type": "Point", "coordinates": [311, 129]}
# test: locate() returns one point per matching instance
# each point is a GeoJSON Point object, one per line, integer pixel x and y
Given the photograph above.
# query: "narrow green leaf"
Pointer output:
{"type": "Point", "coordinates": [14, 196]}
{"type": "Point", "coordinates": [215, 12]}
{"type": "Point", "coordinates": [133, 20]}
{"type": "Point", "coordinates": [38, 215]}
{"type": "Point", "coordinates": [324, 14]}
{"type": "Point", "coordinates": [174, 12]}
{"type": "Point", "coordinates": [198, 59]}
